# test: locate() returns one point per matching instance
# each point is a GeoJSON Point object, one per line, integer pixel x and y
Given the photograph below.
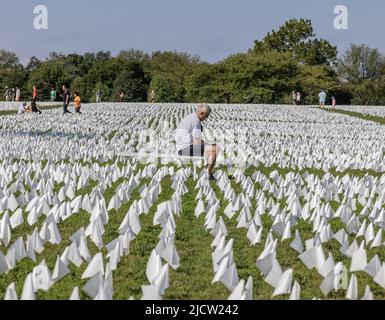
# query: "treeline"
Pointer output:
{"type": "Point", "coordinates": [289, 59]}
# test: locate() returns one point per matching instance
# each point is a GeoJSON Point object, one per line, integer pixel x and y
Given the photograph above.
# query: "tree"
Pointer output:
{"type": "Point", "coordinates": [177, 67]}
{"type": "Point", "coordinates": [314, 79]}
{"type": "Point", "coordinates": [368, 92]}
{"type": "Point", "coordinates": [261, 77]}
{"type": "Point", "coordinates": [133, 81]}
{"type": "Point", "coordinates": [163, 88]}
{"type": "Point", "coordinates": [207, 84]}
{"type": "Point", "coordinates": [361, 63]}
{"type": "Point", "coordinates": [8, 60]}
{"type": "Point", "coordinates": [104, 90]}
{"type": "Point", "coordinates": [255, 77]}
{"type": "Point", "coordinates": [49, 73]}
{"type": "Point", "coordinates": [102, 72]}
{"type": "Point", "coordinates": [291, 58]}
{"type": "Point", "coordinates": [12, 73]}
{"type": "Point", "coordinates": [103, 56]}
{"type": "Point", "coordinates": [33, 64]}
{"type": "Point", "coordinates": [135, 56]}
{"type": "Point", "coordinates": [298, 38]}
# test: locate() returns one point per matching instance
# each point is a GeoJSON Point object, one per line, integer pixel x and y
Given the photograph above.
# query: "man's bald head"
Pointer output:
{"type": "Point", "coordinates": [203, 112]}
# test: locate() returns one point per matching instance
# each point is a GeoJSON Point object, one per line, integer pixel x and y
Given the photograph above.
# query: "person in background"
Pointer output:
{"type": "Point", "coordinates": [34, 93]}
{"type": "Point", "coordinates": [6, 94]}
{"type": "Point", "coordinates": [298, 99]}
{"type": "Point", "coordinates": [22, 108]}
{"type": "Point", "coordinates": [18, 94]}
{"type": "Point", "coordinates": [77, 102]}
{"type": "Point", "coordinates": [322, 99]}
{"type": "Point", "coordinates": [53, 94]}
{"type": "Point", "coordinates": [98, 96]}
{"type": "Point", "coordinates": [121, 96]}
{"type": "Point", "coordinates": [13, 94]}
{"type": "Point", "coordinates": [294, 98]}
{"type": "Point", "coordinates": [66, 99]}
{"type": "Point", "coordinates": [334, 102]}
{"type": "Point", "coordinates": [152, 96]}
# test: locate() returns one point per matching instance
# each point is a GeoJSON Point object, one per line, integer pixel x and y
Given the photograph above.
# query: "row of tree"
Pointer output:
{"type": "Point", "coordinates": [289, 59]}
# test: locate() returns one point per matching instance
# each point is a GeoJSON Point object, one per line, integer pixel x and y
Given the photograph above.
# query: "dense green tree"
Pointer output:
{"type": "Point", "coordinates": [207, 84]}
{"type": "Point", "coordinates": [12, 73]}
{"type": "Point", "coordinates": [362, 72]}
{"type": "Point", "coordinates": [133, 55]}
{"type": "Point", "coordinates": [33, 64]}
{"type": "Point", "coordinates": [163, 88]}
{"type": "Point", "coordinates": [255, 77]}
{"type": "Point", "coordinates": [104, 90]}
{"type": "Point", "coordinates": [361, 63]}
{"type": "Point", "coordinates": [48, 74]}
{"type": "Point", "coordinates": [177, 67]}
{"type": "Point", "coordinates": [133, 81]}
{"type": "Point", "coordinates": [298, 38]}
{"type": "Point", "coordinates": [314, 79]}
{"type": "Point", "coordinates": [366, 92]}
{"type": "Point", "coordinates": [8, 59]}
{"type": "Point", "coordinates": [290, 58]}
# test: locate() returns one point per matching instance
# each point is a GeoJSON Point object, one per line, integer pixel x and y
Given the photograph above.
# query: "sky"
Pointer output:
{"type": "Point", "coordinates": [210, 29]}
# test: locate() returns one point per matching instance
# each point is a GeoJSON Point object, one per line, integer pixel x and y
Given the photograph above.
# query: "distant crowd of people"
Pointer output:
{"type": "Point", "coordinates": [322, 96]}
{"type": "Point", "coordinates": [12, 94]}
{"type": "Point", "coordinates": [65, 95]}
{"type": "Point", "coordinates": [33, 107]}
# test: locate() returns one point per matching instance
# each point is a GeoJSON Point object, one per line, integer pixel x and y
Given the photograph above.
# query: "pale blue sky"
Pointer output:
{"type": "Point", "coordinates": [211, 29]}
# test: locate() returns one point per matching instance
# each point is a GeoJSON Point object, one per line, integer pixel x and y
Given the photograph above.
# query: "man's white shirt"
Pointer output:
{"type": "Point", "coordinates": [189, 129]}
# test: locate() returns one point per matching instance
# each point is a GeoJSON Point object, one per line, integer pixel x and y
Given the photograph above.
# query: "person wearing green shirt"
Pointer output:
{"type": "Point", "coordinates": [53, 94]}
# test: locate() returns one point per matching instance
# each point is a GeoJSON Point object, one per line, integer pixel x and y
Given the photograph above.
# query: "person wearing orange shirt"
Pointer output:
{"type": "Point", "coordinates": [34, 93]}
{"type": "Point", "coordinates": [77, 102]}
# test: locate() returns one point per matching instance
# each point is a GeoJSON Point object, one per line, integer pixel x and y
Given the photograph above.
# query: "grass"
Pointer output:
{"type": "Point", "coordinates": [377, 119]}
{"type": "Point", "coordinates": [193, 278]}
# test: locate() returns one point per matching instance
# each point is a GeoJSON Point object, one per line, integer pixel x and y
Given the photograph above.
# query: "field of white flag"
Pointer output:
{"type": "Point", "coordinates": [13, 106]}
{"type": "Point", "coordinates": [297, 210]}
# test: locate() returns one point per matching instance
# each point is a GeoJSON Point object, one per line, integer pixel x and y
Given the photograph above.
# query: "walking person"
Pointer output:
{"type": "Point", "coordinates": [334, 102]}
{"type": "Point", "coordinates": [298, 99]}
{"type": "Point", "coordinates": [13, 94]}
{"type": "Point", "coordinates": [18, 94]}
{"type": "Point", "coordinates": [294, 98]}
{"type": "Point", "coordinates": [53, 94]}
{"type": "Point", "coordinates": [77, 102]}
{"type": "Point", "coordinates": [152, 96]}
{"type": "Point", "coordinates": [66, 99]}
{"type": "Point", "coordinates": [322, 99]}
{"type": "Point", "coordinates": [189, 141]}
{"type": "Point", "coordinates": [34, 93]}
{"type": "Point", "coordinates": [6, 94]}
{"type": "Point", "coordinates": [98, 96]}
{"type": "Point", "coordinates": [35, 107]}
{"type": "Point", "coordinates": [121, 96]}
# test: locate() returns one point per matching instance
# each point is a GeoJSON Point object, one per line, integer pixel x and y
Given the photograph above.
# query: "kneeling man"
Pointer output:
{"type": "Point", "coordinates": [189, 138]}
